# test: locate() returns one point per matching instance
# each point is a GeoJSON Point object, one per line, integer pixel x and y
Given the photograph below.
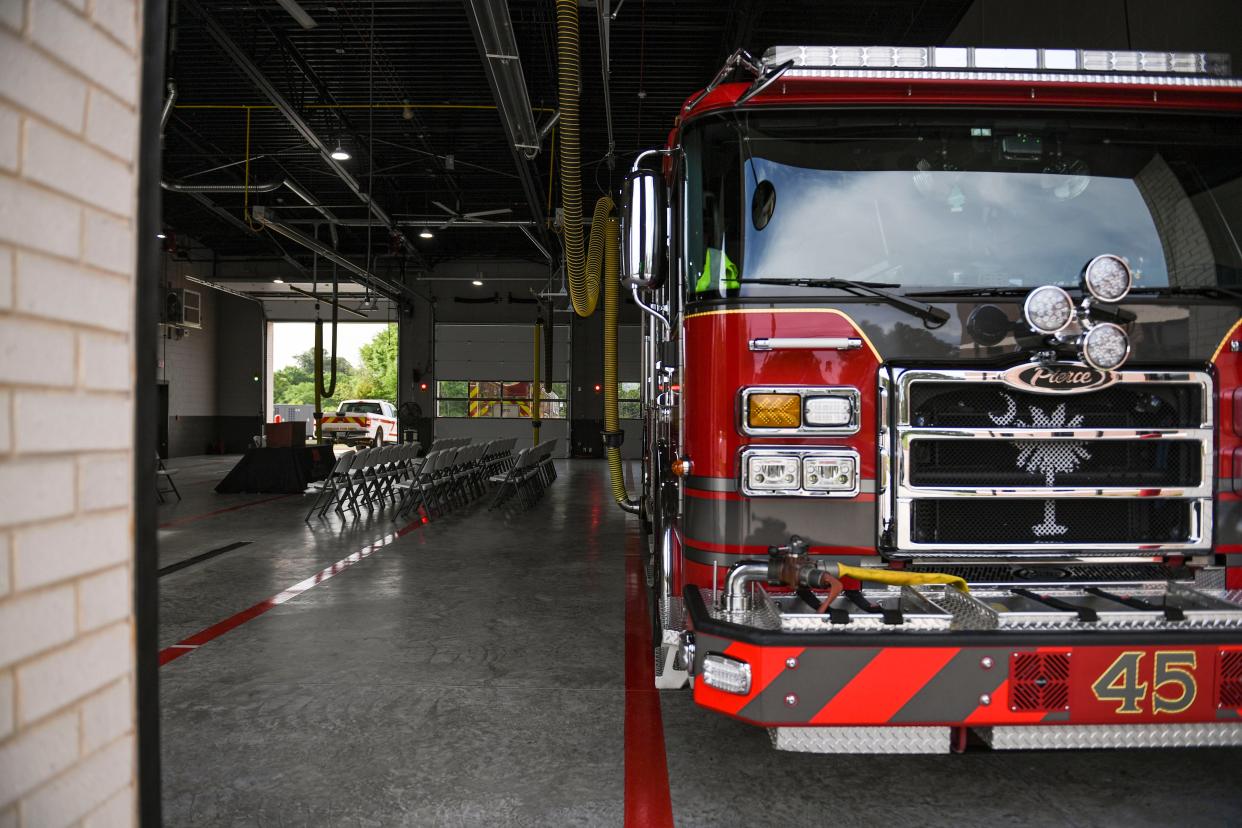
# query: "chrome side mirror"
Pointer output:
{"type": "Point", "coordinates": [642, 230]}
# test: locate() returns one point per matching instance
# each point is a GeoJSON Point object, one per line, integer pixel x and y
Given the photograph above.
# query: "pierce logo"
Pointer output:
{"type": "Point", "coordinates": [1058, 379]}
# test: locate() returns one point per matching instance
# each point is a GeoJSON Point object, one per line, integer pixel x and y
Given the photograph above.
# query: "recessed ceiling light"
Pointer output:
{"type": "Point", "coordinates": [477, 283]}
{"type": "Point", "coordinates": [426, 234]}
{"type": "Point", "coordinates": [279, 281]}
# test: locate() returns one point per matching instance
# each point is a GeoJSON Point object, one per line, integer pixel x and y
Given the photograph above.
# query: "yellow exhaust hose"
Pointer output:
{"type": "Point", "coordinates": [612, 406]}
{"type": "Point", "coordinates": [583, 283]}
{"type": "Point", "coordinates": [899, 578]}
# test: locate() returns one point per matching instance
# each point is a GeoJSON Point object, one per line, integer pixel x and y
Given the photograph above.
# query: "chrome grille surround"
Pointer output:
{"type": "Point", "coordinates": [1052, 427]}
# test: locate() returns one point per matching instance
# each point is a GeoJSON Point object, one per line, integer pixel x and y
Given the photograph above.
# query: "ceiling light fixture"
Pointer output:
{"type": "Point", "coordinates": [161, 236]}
{"type": "Point", "coordinates": [278, 281]}
{"type": "Point", "coordinates": [340, 153]}
{"type": "Point", "coordinates": [426, 234]}
{"type": "Point", "coordinates": [298, 13]}
{"type": "Point", "coordinates": [477, 283]}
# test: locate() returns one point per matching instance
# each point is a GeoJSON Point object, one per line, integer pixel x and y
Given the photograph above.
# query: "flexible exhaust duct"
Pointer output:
{"type": "Point", "coordinates": [584, 271]}
{"type": "Point", "coordinates": [583, 289]}
{"type": "Point", "coordinates": [612, 406]}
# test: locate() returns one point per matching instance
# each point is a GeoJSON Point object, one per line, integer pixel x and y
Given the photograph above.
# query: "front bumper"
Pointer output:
{"type": "Point", "coordinates": [345, 435]}
{"type": "Point", "coordinates": [990, 679]}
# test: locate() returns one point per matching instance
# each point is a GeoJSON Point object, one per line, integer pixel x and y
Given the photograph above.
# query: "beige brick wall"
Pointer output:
{"type": "Point", "coordinates": [69, 72]}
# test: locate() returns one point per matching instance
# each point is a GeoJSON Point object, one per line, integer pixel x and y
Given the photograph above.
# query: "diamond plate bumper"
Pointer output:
{"type": "Point", "coordinates": [1071, 737]}
{"type": "Point", "coordinates": [807, 685]}
{"type": "Point", "coordinates": [861, 739]}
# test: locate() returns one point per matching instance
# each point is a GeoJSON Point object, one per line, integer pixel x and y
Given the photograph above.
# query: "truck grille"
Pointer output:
{"type": "Point", "coordinates": [1085, 520]}
{"type": "Point", "coordinates": [1096, 464]}
{"type": "Point", "coordinates": [981, 465]}
{"type": "Point", "coordinates": [976, 405]}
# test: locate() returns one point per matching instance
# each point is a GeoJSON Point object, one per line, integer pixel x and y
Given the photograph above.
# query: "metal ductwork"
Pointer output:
{"type": "Point", "coordinates": [166, 113]}
{"type": "Point", "coordinates": [493, 35]}
{"type": "Point", "coordinates": [265, 187]}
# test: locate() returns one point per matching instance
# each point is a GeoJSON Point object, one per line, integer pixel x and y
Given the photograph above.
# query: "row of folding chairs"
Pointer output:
{"type": "Point", "coordinates": [448, 442]}
{"type": "Point", "coordinates": [527, 477]}
{"type": "Point", "coordinates": [453, 476]}
{"type": "Point", "coordinates": [366, 478]}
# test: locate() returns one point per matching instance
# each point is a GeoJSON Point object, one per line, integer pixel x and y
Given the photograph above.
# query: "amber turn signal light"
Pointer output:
{"type": "Point", "coordinates": [774, 411]}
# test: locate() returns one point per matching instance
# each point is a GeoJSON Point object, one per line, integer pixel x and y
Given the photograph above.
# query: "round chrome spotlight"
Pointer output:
{"type": "Point", "coordinates": [1107, 278]}
{"type": "Point", "coordinates": [1048, 309]}
{"type": "Point", "coordinates": [1105, 347]}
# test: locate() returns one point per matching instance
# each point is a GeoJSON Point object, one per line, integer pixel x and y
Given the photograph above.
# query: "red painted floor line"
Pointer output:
{"type": "Point", "coordinates": [192, 518]}
{"type": "Point", "coordinates": [647, 800]}
{"type": "Point", "coordinates": [189, 645]}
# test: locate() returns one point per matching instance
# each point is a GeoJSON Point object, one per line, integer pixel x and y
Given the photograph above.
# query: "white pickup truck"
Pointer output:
{"type": "Point", "coordinates": [362, 421]}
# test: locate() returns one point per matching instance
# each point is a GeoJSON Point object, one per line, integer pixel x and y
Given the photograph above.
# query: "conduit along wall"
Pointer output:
{"type": "Point", "coordinates": [536, 410]}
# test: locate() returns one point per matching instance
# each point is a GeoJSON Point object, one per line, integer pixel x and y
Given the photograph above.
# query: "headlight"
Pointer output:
{"type": "Point", "coordinates": [829, 411]}
{"type": "Point", "coordinates": [799, 472]}
{"type": "Point", "coordinates": [1048, 309]}
{"type": "Point", "coordinates": [794, 410]}
{"type": "Point", "coordinates": [1105, 347]}
{"type": "Point", "coordinates": [774, 411]}
{"type": "Point", "coordinates": [768, 473]}
{"type": "Point", "coordinates": [727, 674]}
{"type": "Point", "coordinates": [830, 474]}
{"type": "Point", "coordinates": [1107, 278]}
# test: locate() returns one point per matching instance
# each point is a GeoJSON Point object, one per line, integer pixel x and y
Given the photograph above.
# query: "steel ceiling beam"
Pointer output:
{"type": "Point", "coordinates": [390, 290]}
{"type": "Point", "coordinates": [241, 225]}
{"type": "Point", "coordinates": [490, 21]}
{"type": "Point", "coordinates": [261, 82]}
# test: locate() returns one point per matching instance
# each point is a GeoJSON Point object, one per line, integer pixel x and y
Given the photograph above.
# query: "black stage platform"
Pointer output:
{"type": "Point", "coordinates": [278, 470]}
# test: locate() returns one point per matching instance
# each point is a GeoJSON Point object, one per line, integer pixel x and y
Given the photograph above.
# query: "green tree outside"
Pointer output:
{"type": "Point", "coordinates": [374, 379]}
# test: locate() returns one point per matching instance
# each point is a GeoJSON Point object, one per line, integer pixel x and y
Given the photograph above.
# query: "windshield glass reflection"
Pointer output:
{"type": "Point", "coordinates": [959, 203]}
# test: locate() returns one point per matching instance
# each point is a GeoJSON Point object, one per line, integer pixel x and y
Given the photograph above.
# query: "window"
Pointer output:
{"type": "Point", "coordinates": [360, 408]}
{"type": "Point", "coordinates": [631, 408]}
{"type": "Point", "coordinates": [494, 398]}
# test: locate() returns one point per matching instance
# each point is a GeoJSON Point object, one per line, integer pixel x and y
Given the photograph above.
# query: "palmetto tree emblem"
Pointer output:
{"type": "Point", "coordinates": [1045, 457]}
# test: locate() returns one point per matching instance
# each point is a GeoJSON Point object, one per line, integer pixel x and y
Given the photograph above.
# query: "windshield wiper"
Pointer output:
{"type": "Point", "coordinates": [934, 316]}
{"type": "Point", "coordinates": [976, 291]}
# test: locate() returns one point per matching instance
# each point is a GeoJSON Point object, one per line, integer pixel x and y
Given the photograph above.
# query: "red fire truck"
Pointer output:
{"type": "Point", "coordinates": [944, 397]}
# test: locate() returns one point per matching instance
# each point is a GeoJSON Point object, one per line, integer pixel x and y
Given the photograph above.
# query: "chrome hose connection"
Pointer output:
{"type": "Point", "coordinates": [741, 576]}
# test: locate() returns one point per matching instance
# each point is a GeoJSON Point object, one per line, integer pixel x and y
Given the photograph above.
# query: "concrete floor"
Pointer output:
{"type": "Point", "coordinates": [471, 673]}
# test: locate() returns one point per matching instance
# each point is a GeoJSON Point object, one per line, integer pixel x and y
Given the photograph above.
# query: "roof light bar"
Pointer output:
{"type": "Point", "coordinates": [1071, 65]}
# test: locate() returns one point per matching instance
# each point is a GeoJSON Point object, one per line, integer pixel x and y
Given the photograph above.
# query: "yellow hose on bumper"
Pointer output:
{"type": "Point", "coordinates": [898, 578]}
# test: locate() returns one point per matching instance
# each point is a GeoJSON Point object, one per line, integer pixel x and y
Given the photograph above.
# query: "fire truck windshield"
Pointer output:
{"type": "Point", "coordinates": [955, 202]}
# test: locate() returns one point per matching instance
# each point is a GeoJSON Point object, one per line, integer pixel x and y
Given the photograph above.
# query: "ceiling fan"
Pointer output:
{"type": "Point", "coordinates": [457, 217]}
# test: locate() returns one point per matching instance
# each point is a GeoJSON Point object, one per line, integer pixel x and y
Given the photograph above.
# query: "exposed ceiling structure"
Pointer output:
{"type": "Point", "coordinates": [268, 90]}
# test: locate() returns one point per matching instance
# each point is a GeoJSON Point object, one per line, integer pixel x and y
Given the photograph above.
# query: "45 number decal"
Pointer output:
{"type": "Point", "coordinates": [1173, 688]}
